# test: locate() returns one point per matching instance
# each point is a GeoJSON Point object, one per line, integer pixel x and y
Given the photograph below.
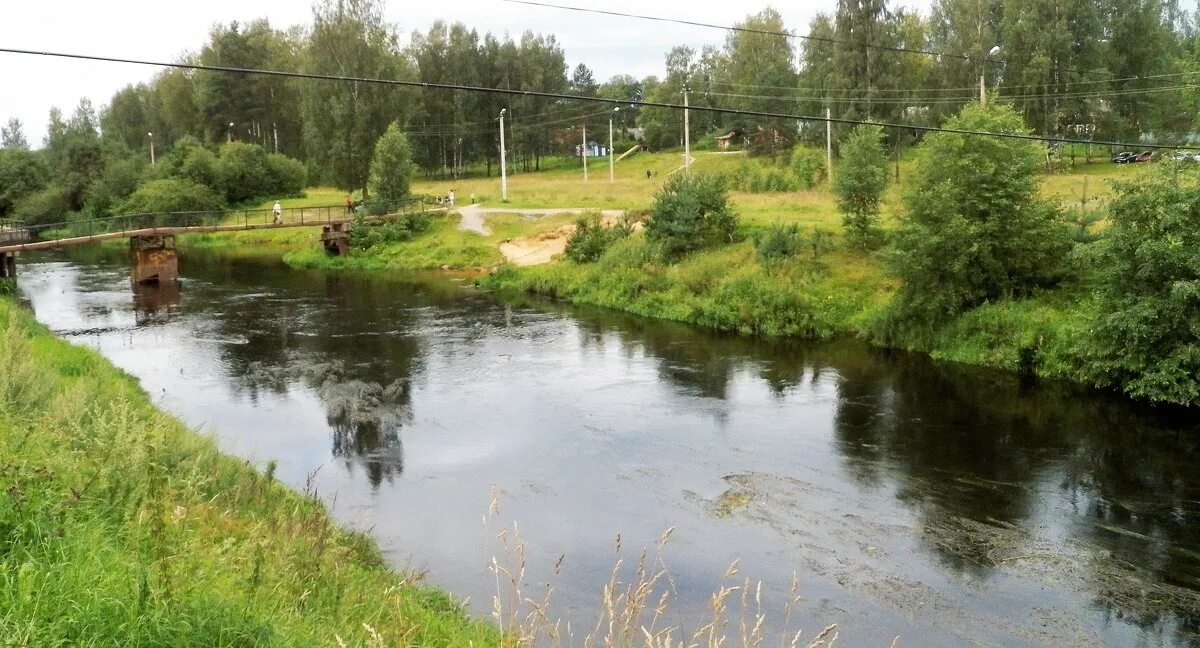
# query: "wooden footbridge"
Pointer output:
{"type": "Point", "coordinates": [152, 236]}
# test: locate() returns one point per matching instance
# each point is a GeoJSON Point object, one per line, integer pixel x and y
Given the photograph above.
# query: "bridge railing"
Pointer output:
{"type": "Point", "coordinates": [315, 215]}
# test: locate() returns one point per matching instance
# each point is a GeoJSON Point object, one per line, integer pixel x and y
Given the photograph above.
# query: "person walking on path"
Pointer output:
{"type": "Point", "coordinates": [278, 209]}
{"type": "Point", "coordinates": [451, 198]}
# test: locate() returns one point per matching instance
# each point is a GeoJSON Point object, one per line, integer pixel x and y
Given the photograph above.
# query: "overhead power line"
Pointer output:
{"type": "Point", "coordinates": [769, 32]}
{"type": "Point", "coordinates": [569, 97]}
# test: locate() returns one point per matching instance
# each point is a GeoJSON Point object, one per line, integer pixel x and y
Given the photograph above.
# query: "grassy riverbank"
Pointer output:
{"type": "Point", "coordinates": [120, 526]}
{"type": "Point", "coordinates": [830, 291]}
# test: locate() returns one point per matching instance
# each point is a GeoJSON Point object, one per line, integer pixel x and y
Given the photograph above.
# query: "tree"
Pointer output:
{"type": "Point", "coordinates": [22, 173]}
{"type": "Point", "coordinates": [689, 213]}
{"type": "Point", "coordinates": [975, 227]}
{"type": "Point", "coordinates": [765, 62]}
{"type": "Point", "coordinates": [172, 195]}
{"type": "Point", "coordinates": [342, 121]}
{"type": "Point", "coordinates": [1145, 334]}
{"type": "Point", "coordinates": [242, 169]}
{"type": "Point", "coordinates": [391, 166]}
{"type": "Point", "coordinates": [860, 181]}
{"type": "Point", "coordinates": [12, 135]}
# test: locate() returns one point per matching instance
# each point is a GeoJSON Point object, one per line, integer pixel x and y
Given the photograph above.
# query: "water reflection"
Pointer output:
{"type": "Point", "coordinates": [155, 303]}
{"type": "Point", "coordinates": [978, 456]}
{"type": "Point", "coordinates": [1056, 496]}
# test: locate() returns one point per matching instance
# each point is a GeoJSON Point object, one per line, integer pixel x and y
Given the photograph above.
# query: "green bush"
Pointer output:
{"type": "Point", "coordinates": [172, 195]}
{"type": "Point", "coordinates": [200, 166]}
{"type": "Point", "coordinates": [119, 179]}
{"type": "Point", "coordinates": [591, 239]}
{"type": "Point", "coordinates": [286, 176]}
{"type": "Point", "coordinates": [780, 243]}
{"type": "Point", "coordinates": [975, 228]}
{"type": "Point", "coordinates": [691, 212]}
{"type": "Point", "coordinates": [50, 205]}
{"type": "Point", "coordinates": [22, 172]}
{"type": "Point", "coordinates": [808, 166]}
{"type": "Point", "coordinates": [243, 171]}
{"type": "Point", "coordinates": [364, 235]}
{"type": "Point", "coordinates": [1146, 337]}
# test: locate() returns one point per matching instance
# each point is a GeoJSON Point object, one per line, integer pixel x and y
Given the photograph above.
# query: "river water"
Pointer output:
{"type": "Point", "coordinates": [946, 505]}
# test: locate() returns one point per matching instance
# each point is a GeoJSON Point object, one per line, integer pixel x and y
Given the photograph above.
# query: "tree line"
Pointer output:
{"type": "Point", "coordinates": [1113, 69]}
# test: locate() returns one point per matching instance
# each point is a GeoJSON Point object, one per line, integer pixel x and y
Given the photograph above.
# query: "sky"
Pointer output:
{"type": "Point", "coordinates": [162, 30]}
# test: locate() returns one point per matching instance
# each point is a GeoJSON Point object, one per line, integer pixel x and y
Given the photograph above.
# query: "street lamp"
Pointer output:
{"type": "Point", "coordinates": [611, 160]}
{"type": "Point", "coordinates": [229, 133]}
{"type": "Point", "coordinates": [503, 168]}
{"type": "Point", "coordinates": [983, 75]}
{"type": "Point", "coordinates": [151, 136]}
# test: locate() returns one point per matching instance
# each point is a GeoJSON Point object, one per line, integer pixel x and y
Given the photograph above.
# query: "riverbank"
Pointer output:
{"type": "Point", "coordinates": [829, 295]}
{"type": "Point", "coordinates": [829, 290]}
{"type": "Point", "coordinates": [123, 526]}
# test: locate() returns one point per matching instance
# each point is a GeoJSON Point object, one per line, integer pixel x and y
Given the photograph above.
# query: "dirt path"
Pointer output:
{"type": "Point", "coordinates": [532, 250]}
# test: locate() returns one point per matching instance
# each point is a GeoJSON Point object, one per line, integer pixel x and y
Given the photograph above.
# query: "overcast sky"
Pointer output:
{"type": "Point", "coordinates": [162, 30]}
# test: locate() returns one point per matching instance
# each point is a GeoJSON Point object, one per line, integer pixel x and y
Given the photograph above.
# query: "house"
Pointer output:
{"type": "Point", "coordinates": [726, 140]}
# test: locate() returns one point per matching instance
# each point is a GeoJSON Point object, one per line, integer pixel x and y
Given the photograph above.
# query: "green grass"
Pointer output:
{"type": "Point", "coordinates": [121, 527]}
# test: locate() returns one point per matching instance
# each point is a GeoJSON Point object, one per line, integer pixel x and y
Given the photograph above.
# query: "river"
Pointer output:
{"type": "Point", "coordinates": [945, 505]}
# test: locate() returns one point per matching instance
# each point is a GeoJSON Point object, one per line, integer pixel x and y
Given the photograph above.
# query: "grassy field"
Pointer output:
{"type": "Point", "coordinates": [121, 527]}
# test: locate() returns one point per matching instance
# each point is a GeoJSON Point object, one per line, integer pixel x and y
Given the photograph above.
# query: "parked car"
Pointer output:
{"type": "Point", "coordinates": [1125, 157]}
{"type": "Point", "coordinates": [1145, 156]}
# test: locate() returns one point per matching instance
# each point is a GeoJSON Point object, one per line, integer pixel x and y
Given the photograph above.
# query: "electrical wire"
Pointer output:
{"type": "Point", "coordinates": [569, 97]}
{"type": "Point", "coordinates": [768, 32]}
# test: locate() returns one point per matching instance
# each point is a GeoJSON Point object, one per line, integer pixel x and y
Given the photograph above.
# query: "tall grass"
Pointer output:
{"type": "Point", "coordinates": [118, 526]}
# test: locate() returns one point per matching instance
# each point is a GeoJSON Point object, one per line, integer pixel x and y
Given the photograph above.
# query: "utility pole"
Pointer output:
{"type": "Point", "coordinates": [583, 151]}
{"type": "Point", "coordinates": [611, 160]}
{"type": "Point", "coordinates": [229, 134]}
{"type": "Point", "coordinates": [687, 135]}
{"type": "Point", "coordinates": [503, 168]}
{"type": "Point", "coordinates": [829, 145]}
{"type": "Point", "coordinates": [151, 136]}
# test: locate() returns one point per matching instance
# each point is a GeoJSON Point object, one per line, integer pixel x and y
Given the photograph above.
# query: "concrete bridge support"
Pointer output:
{"type": "Point", "coordinates": [8, 265]}
{"type": "Point", "coordinates": [154, 259]}
{"type": "Point", "coordinates": [336, 239]}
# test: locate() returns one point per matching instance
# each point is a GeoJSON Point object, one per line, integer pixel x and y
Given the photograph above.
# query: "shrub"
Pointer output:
{"type": "Point", "coordinates": [591, 239]}
{"type": "Point", "coordinates": [780, 243]}
{"type": "Point", "coordinates": [22, 172]}
{"type": "Point", "coordinates": [691, 212]}
{"type": "Point", "coordinates": [172, 195]}
{"type": "Point", "coordinates": [243, 171]}
{"type": "Point", "coordinates": [200, 166]}
{"type": "Point", "coordinates": [975, 227]}
{"type": "Point", "coordinates": [365, 235]}
{"type": "Point", "coordinates": [808, 166]}
{"type": "Point", "coordinates": [286, 176]}
{"type": "Point", "coordinates": [50, 205]}
{"type": "Point", "coordinates": [1145, 337]}
{"type": "Point", "coordinates": [860, 182]}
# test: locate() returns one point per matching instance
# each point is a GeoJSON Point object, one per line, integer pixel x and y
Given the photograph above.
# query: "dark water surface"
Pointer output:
{"type": "Point", "coordinates": [949, 506]}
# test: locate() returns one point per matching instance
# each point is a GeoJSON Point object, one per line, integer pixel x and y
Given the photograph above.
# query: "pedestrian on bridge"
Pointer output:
{"type": "Point", "coordinates": [278, 209]}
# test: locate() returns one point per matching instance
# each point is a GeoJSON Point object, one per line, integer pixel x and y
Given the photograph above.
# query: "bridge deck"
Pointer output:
{"type": "Point", "coordinates": [11, 236]}
{"type": "Point", "coordinates": [12, 245]}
